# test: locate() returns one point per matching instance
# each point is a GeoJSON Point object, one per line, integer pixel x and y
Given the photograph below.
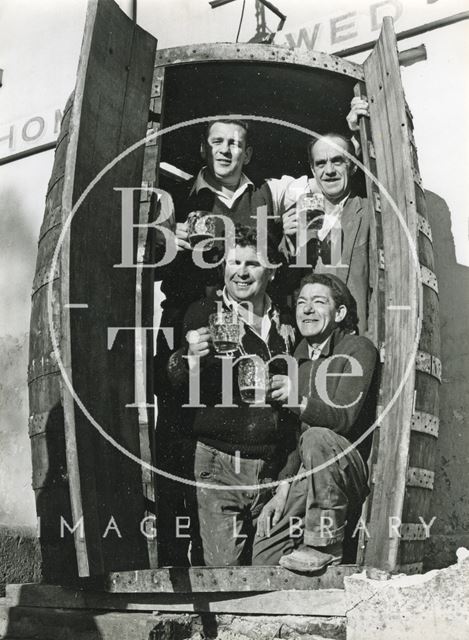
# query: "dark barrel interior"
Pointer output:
{"type": "Point", "coordinates": [315, 99]}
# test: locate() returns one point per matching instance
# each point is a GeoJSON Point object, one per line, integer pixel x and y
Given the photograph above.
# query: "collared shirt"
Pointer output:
{"type": "Point", "coordinates": [316, 350]}
{"type": "Point", "coordinates": [266, 322]}
{"type": "Point", "coordinates": [227, 199]}
{"type": "Point", "coordinates": [167, 216]}
{"type": "Point", "coordinates": [287, 190]}
{"type": "Point", "coordinates": [331, 219]}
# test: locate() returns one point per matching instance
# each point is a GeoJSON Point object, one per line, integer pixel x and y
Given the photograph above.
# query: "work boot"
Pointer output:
{"type": "Point", "coordinates": [307, 559]}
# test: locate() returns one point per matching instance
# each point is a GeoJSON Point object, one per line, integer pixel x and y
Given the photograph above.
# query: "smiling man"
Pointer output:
{"type": "Point", "coordinates": [236, 443]}
{"type": "Point", "coordinates": [220, 188]}
{"type": "Point", "coordinates": [345, 240]}
{"type": "Point", "coordinates": [302, 527]}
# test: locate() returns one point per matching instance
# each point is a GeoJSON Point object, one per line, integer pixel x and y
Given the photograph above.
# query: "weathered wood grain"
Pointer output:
{"type": "Point", "coordinates": [404, 457]}
{"type": "Point", "coordinates": [224, 52]}
{"type": "Point", "coordinates": [320, 602]}
{"type": "Point", "coordinates": [223, 579]}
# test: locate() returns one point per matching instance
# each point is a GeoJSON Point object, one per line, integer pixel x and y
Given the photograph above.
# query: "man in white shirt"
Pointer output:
{"type": "Point", "coordinates": [344, 238]}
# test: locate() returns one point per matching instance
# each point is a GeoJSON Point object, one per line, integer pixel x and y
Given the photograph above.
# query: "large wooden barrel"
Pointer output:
{"type": "Point", "coordinates": [46, 419]}
{"type": "Point", "coordinates": [91, 493]}
{"type": "Point", "coordinates": [76, 459]}
{"type": "Point", "coordinates": [406, 325]}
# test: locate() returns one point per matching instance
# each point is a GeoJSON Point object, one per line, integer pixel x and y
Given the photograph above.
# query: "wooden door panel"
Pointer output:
{"type": "Point", "coordinates": [110, 113]}
{"type": "Point", "coordinates": [404, 448]}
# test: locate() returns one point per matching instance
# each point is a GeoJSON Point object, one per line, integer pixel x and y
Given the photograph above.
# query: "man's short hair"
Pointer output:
{"type": "Point", "coordinates": [340, 294]}
{"type": "Point", "coordinates": [348, 141]}
{"type": "Point", "coordinates": [244, 124]}
{"type": "Point", "coordinates": [247, 237]}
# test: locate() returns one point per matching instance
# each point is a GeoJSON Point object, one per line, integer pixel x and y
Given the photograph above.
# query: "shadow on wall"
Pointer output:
{"type": "Point", "coordinates": [450, 501]}
{"type": "Point", "coordinates": [18, 249]}
{"type": "Point", "coordinates": [17, 263]}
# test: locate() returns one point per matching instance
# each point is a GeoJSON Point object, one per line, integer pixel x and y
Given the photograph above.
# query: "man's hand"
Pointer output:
{"type": "Point", "coordinates": [280, 388]}
{"type": "Point", "coordinates": [272, 511]}
{"type": "Point", "coordinates": [199, 341]}
{"type": "Point", "coordinates": [182, 242]}
{"type": "Point", "coordinates": [290, 223]}
{"type": "Point", "coordinates": [358, 108]}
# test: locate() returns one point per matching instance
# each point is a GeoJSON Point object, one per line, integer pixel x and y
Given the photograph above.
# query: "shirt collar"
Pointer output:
{"type": "Point", "coordinates": [302, 351]}
{"type": "Point", "coordinates": [201, 183]}
{"type": "Point", "coordinates": [316, 350]}
{"type": "Point", "coordinates": [330, 219]}
{"type": "Point", "coordinates": [233, 304]}
{"type": "Point", "coordinates": [266, 318]}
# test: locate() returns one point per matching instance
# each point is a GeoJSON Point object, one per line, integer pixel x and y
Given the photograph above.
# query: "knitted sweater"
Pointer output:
{"type": "Point", "coordinates": [255, 431]}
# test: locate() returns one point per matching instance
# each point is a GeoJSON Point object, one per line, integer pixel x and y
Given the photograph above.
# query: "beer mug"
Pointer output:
{"type": "Point", "coordinates": [310, 208]}
{"type": "Point", "coordinates": [224, 328]}
{"type": "Point", "coordinates": [253, 379]}
{"type": "Point", "coordinates": [200, 228]}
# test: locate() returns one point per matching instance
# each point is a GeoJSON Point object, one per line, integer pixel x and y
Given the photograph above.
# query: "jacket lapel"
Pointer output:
{"type": "Point", "coordinates": [351, 220]}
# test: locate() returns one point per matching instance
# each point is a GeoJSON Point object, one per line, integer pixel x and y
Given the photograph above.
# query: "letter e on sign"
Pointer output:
{"type": "Point", "coordinates": [341, 32]}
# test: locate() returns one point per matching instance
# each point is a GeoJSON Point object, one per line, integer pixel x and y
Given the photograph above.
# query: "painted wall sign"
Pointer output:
{"type": "Point", "coordinates": [359, 23]}
{"type": "Point", "coordinates": [29, 132]}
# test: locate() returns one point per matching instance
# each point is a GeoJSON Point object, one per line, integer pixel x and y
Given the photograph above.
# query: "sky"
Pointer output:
{"type": "Point", "coordinates": [39, 51]}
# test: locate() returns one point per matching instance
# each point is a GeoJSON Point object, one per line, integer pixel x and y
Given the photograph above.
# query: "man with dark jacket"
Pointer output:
{"type": "Point", "coordinates": [239, 446]}
{"type": "Point", "coordinates": [337, 402]}
{"type": "Point", "coordinates": [221, 188]}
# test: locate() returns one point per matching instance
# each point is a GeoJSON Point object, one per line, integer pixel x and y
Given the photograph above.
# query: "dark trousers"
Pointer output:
{"type": "Point", "coordinates": [227, 515]}
{"type": "Point", "coordinates": [170, 451]}
{"type": "Point", "coordinates": [329, 486]}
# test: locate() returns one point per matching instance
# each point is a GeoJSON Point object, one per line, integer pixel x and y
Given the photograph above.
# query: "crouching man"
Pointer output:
{"type": "Point", "coordinates": [302, 526]}
{"type": "Point", "coordinates": [239, 447]}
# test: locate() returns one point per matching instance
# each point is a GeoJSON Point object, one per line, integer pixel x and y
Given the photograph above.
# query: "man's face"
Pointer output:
{"type": "Point", "coordinates": [225, 152]}
{"type": "Point", "coordinates": [316, 313]}
{"type": "Point", "coordinates": [245, 277]}
{"type": "Point", "coordinates": [332, 168]}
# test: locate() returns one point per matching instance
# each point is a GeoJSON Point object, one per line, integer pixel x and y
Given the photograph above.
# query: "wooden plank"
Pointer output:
{"type": "Point", "coordinates": [430, 334]}
{"type": "Point", "coordinates": [49, 463]}
{"type": "Point", "coordinates": [425, 249]}
{"type": "Point", "coordinates": [412, 551]}
{"type": "Point", "coordinates": [109, 114]}
{"type": "Point", "coordinates": [322, 602]}
{"type": "Point", "coordinates": [144, 387]}
{"type": "Point", "coordinates": [223, 579]}
{"type": "Point", "coordinates": [411, 479]}
{"type": "Point", "coordinates": [422, 452]}
{"type": "Point", "coordinates": [418, 503]}
{"type": "Point", "coordinates": [426, 398]}
{"type": "Point", "coordinates": [49, 478]}
{"type": "Point", "coordinates": [223, 52]}
{"type": "Point", "coordinates": [376, 327]}
{"type": "Point", "coordinates": [49, 624]}
{"type": "Point", "coordinates": [394, 169]}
